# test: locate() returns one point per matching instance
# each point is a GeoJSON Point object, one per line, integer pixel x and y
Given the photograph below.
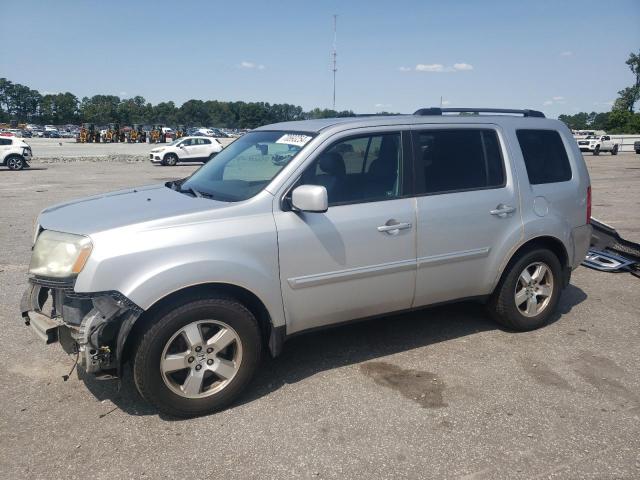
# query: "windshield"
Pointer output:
{"type": "Point", "coordinates": [246, 166]}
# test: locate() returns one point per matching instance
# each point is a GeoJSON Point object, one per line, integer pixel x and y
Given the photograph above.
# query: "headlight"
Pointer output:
{"type": "Point", "coordinates": [59, 255]}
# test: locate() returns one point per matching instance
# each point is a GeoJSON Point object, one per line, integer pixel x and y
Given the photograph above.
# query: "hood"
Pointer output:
{"type": "Point", "coordinates": [124, 207]}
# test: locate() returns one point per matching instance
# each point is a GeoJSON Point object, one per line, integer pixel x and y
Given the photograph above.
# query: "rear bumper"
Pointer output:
{"type": "Point", "coordinates": [581, 242]}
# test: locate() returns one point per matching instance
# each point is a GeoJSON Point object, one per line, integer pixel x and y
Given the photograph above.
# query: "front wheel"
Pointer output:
{"type": "Point", "coordinates": [596, 152]}
{"type": "Point", "coordinates": [170, 159]}
{"type": "Point", "coordinates": [615, 150]}
{"type": "Point", "coordinates": [15, 162]}
{"type": "Point", "coordinates": [197, 357]}
{"type": "Point", "coordinates": [529, 291]}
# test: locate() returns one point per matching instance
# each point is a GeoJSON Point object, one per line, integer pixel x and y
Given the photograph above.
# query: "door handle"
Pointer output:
{"type": "Point", "coordinates": [502, 210]}
{"type": "Point", "coordinates": [394, 227]}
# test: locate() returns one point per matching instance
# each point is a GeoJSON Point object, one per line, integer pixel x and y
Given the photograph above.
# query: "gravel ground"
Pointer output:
{"type": "Point", "coordinates": [440, 393]}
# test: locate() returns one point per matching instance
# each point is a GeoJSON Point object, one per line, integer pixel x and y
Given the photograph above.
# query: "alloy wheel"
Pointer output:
{"type": "Point", "coordinates": [201, 359]}
{"type": "Point", "coordinates": [534, 289]}
{"type": "Point", "coordinates": [14, 163]}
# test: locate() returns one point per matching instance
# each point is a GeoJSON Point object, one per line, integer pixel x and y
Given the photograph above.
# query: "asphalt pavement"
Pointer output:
{"type": "Point", "coordinates": [439, 393]}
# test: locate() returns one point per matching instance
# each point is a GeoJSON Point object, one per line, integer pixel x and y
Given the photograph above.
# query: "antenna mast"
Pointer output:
{"type": "Point", "coordinates": [334, 55]}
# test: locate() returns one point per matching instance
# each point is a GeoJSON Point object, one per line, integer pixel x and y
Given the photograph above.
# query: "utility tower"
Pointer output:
{"type": "Point", "coordinates": [334, 54]}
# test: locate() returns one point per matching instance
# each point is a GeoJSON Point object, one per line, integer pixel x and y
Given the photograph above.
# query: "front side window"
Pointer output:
{"type": "Point", "coordinates": [361, 169]}
{"type": "Point", "coordinates": [544, 156]}
{"type": "Point", "coordinates": [247, 165]}
{"type": "Point", "coordinates": [454, 160]}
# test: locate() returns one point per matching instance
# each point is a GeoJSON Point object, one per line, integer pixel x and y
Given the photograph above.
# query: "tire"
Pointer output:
{"type": "Point", "coordinates": [15, 162]}
{"type": "Point", "coordinates": [596, 152]}
{"type": "Point", "coordinates": [175, 392]}
{"type": "Point", "coordinates": [170, 160]}
{"type": "Point", "coordinates": [503, 305]}
{"type": "Point", "coordinates": [615, 150]}
{"type": "Point", "coordinates": [211, 157]}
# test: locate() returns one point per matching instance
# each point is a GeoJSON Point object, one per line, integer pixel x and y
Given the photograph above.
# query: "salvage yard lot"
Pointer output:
{"type": "Point", "coordinates": [437, 393]}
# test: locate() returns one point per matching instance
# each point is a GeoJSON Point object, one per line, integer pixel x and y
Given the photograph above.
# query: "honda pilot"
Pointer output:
{"type": "Point", "coordinates": [308, 224]}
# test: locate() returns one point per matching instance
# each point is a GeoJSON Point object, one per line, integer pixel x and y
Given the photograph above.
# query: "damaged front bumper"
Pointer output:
{"type": "Point", "coordinates": [92, 325]}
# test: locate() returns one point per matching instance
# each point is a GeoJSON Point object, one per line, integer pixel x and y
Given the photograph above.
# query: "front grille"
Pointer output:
{"type": "Point", "coordinates": [583, 143]}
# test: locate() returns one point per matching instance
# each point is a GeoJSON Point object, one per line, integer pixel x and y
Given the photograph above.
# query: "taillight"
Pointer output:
{"type": "Point", "coordinates": [589, 204]}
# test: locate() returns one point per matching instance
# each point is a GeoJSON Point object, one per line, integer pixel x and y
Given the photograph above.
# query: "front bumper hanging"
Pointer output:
{"type": "Point", "coordinates": [94, 326]}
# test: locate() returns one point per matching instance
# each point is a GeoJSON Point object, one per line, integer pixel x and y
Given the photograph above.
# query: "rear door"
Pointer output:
{"type": "Point", "coordinates": [468, 215]}
{"type": "Point", "coordinates": [358, 258]}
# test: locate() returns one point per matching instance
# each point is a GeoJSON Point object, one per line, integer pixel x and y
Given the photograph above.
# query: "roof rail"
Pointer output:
{"type": "Point", "coordinates": [440, 111]}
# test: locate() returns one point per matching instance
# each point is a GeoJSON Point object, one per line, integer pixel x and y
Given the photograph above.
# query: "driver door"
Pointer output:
{"type": "Point", "coordinates": [187, 149]}
{"type": "Point", "coordinates": [358, 258]}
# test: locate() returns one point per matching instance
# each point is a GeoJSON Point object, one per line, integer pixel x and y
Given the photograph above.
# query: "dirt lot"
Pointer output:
{"type": "Point", "coordinates": [441, 393]}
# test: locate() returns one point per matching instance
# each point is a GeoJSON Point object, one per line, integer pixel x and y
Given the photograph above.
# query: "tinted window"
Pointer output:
{"type": "Point", "coordinates": [544, 156]}
{"type": "Point", "coordinates": [5, 141]}
{"type": "Point", "coordinates": [458, 160]}
{"type": "Point", "coordinates": [204, 141]}
{"type": "Point", "coordinates": [361, 169]}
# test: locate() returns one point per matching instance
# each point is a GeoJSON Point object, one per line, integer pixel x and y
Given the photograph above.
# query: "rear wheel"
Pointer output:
{"type": "Point", "coordinates": [198, 356]}
{"type": "Point", "coordinates": [529, 291]}
{"type": "Point", "coordinates": [15, 162]}
{"type": "Point", "coordinates": [615, 150]}
{"type": "Point", "coordinates": [170, 159]}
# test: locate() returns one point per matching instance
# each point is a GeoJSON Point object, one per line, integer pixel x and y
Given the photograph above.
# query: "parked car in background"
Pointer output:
{"type": "Point", "coordinates": [51, 134]}
{"type": "Point", "coordinates": [636, 146]}
{"type": "Point", "coordinates": [597, 144]}
{"type": "Point", "coordinates": [27, 133]}
{"type": "Point", "coordinates": [14, 153]}
{"type": "Point", "coordinates": [191, 280]}
{"type": "Point", "coordinates": [186, 149]}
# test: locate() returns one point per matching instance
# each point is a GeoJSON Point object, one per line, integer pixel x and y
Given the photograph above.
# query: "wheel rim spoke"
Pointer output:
{"type": "Point", "coordinates": [544, 291]}
{"type": "Point", "coordinates": [532, 305]}
{"type": "Point", "coordinates": [521, 297]}
{"type": "Point", "coordinates": [193, 384]}
{"type": "Point", "coordinates": [525, 276]}
{"type": "Point", "coordinates": [222, 339]}
{"type": "Point", "coordinates": [174, 362]}
{"type": "Point", "coordinates": [224, 368]}
{"type": "Point", "coordinates": [192, 334]}
{"type": "Point", "coordinates": [539, 273]}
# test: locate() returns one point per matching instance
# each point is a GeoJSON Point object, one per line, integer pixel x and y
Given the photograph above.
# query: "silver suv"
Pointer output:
{"type": "Point", "coordinates": [307, 224]}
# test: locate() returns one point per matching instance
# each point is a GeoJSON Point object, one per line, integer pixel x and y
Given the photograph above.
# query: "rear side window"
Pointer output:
{"type": "Point", "coordinates": [458, 160]}
{"type": "Point", "coordinates": [5, 141]}
{"type": "Point", "coordinates": [544, 156]}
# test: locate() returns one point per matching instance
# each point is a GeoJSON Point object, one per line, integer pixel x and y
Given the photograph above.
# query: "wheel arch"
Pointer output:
{"type": "Point", "coordinates": [553, 244]}
{"type": "Point", "coordinates": [272, 336]}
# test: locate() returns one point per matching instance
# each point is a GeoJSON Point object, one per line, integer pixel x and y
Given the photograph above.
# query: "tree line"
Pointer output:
{"type": "Point", "coordinates": [21, 103]}
{"type": "Point", "coordinates": [622, 118]}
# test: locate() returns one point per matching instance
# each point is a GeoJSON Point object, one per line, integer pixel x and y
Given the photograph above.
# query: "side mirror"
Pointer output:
{"type": "Point", "coordinates": [310, 198]}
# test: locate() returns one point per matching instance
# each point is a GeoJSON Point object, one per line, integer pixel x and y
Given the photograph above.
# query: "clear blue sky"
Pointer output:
{"type": "Point", "coordinates": [558, 56]}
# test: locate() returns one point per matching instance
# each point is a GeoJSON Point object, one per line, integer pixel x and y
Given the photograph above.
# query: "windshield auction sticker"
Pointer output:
{"type": "Point", "coordinates": [294, 139]}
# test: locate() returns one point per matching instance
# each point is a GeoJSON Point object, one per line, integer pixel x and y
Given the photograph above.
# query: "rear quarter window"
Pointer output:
{"type": "Point", "coordinates": [545, 156]}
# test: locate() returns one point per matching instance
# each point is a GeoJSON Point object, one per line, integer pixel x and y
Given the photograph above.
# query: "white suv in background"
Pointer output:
{"type": "Point", "coordinates": [14, 153]}
{"type": "Point", "coordinates": [598, 143]}
{"type": "Point", "coordinates": [186, 149]}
